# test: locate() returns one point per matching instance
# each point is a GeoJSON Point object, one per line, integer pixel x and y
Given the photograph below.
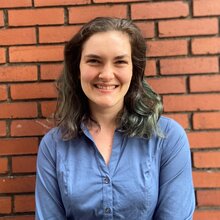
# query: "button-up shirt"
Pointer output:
{"type": "Point", "coordinates": [146, 179]}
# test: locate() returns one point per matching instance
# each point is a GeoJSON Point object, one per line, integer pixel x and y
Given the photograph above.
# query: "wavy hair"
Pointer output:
{"type": "Point", "coordinates": [142, 106]}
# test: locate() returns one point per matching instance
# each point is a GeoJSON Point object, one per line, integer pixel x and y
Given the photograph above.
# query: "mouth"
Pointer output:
{"type": "Point", "coordinates": [105, 87]}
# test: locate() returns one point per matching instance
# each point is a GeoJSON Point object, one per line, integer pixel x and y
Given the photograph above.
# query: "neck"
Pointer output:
{"type": "Point", "coordinates": [106, 118]}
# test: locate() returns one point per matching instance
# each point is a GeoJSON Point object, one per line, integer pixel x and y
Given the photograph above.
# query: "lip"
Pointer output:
{"type": "Point", "coordinates": [106, 88]}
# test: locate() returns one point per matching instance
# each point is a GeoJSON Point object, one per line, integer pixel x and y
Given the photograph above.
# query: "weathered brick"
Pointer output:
{"type": "Point", "coordinates": [206, 45]}
{"type": "Point", "coordinates": [5, 207]}
{"type": "Point", "coordinates": [15, 4]}
{"type": "Point", "coordinates": [2, 55]}
{"type": "Point", "coordinates": [204, 139]}
{"type": "Point", "coordinates": [57, 34]}
{"type": "Point", "coordinates": [18, 73]}
{"type": "Point", "coordinates": [17, 184]}
{"type": "Point", "coordinates": [147, 28]}
{"type": "Point", "coordinates": [24, 203]}
{"type": "Point", "coordinates": [59, 3]}
{"type": "Point", "coordinates": [27, 17]}
{"type": "Point", "coordinates": [18, 146]}
{"type": "Point", "coordinates": [50, 71]}
{"type": "Point", "coordinates": [36, 53]}
{"type": "Point", "coordinates": [181, 103]}
{"type": "Point", "coordinates": [18, 110]}
{"type": "Point", "coordinates": [3, 167]}
{"type": "Point", "coordinates": [206, 159]}
{"type": "Point", "coordinates": [84, 14]}
{"type": "Point", "coordinates": [195, 65]}
{"type": "Point", "coordinates": [168, 85]}
{"type": "Point", "coordinates": [208, 197]}
{"type": "Point", "coordinates": [24, 164]}
{"type": "Point", "coordinates": [159, 10]}
{"type": "Point", "coordinates": [37, 127]}
{"type": "Point", "coordinates": [23, 36]}
{"type": "Point", "coordinates": [166, 48]}
{"type": "Point", "coordinates": [208, 120]}
{"type": "Point", "coordinates": [48, 108]}
{"type": "Point", "coordinates": [33, 91]}
{"type": "Point", "coordinates": [206, 7]}
{"type": "Point", "coordinates": [188, 27]}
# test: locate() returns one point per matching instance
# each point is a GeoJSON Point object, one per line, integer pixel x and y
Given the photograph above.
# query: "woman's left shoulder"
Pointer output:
{"type": "Point", "coordinates": [170, 126]}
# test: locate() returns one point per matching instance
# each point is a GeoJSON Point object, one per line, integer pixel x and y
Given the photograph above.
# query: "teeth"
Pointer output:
{"type": "Point", "coordinates": [105, 87]}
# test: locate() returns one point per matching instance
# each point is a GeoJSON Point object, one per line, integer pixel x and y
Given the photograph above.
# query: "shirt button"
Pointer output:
{"type": "Point", "coordinates": [106, 180]}
{"type": "Point", "coordinates": [107, 210]}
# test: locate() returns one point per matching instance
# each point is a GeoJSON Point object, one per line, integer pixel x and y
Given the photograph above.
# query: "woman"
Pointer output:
{"type": "Point", "coordinates": [112, 156]}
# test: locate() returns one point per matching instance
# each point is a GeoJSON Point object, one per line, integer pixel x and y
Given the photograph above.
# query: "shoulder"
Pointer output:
{"type": "Point", "coordinates": [170, 126]}
{"type": "Point", "coordinates": [175, 138]}
{"type": "Point", "coordinates": [50, 140]}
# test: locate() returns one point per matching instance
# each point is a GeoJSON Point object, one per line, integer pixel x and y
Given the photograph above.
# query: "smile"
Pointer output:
{"type": "Point", "coordinates": [106, 87]}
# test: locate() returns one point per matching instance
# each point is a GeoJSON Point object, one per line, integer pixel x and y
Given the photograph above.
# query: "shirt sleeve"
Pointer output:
{"type": "Point", "coordinates": [47, 195]}
{"type": "Point", "coordinates": [176, 198]}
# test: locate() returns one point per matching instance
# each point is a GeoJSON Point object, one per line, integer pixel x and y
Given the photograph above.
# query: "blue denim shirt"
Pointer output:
{"type": "Point", "coordinates": [146, 179]}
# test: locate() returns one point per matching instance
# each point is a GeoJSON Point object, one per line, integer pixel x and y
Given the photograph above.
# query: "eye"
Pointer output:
{"type": "Point", "coordinates": [93, 61]}
{"type": "Point", "coordinates": [120, 62]}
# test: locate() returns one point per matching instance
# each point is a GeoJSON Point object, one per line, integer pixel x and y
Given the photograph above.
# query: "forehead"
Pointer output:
{"type": "Point", "coordinates": [110, 41]}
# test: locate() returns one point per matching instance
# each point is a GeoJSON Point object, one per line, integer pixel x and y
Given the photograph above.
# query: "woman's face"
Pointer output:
{"type": "Point", "coordinates": [106, 69]}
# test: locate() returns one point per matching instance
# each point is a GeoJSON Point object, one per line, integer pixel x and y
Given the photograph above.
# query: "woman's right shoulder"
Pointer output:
{"type": "Point", "coordinates": [51, 138]}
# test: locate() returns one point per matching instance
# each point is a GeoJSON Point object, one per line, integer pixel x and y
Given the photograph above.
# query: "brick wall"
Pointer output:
{"type": "Point", "coordinates": [183, 66]}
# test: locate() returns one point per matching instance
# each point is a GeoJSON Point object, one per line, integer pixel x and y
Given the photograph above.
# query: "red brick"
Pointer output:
{"type": "Point", "coordinates": [166, 48]}
{"type": "Point", "coordinates": [19, 184]}
{"type": "Point", "coordinates": [114, 1]}
{"type": "Point", "coordinates": [206, 7]}
{"type": "Point", "coordinates": [208, 179]}
{"type": "Point", "coordinates": [168, 85]}
{"type": "Point", "coordinates": [206, 45]}
{"type": "Point", "coordinates": [188, 27]}
{"type": "Point", "coordinates": [24, 203]}
{"type": "Point", "coordinates": [50, 71]}
{"type": "Point", "coordinates": [204, 139]}
{"type": "Point", "coordinates": [36, 53]}
{"type": "Point", "coordinates": [208, 120]}
{"type": "Point", "coordinates": [3, 167]}
{"type": "Point", "coordinates": [193, 65]}
{"type": "Point", "coordinates": [208, 197]}
{"type": "Point", "coordinates": [18, 146]}
{"type": "Point", "coordinates": [26, 17]}
{"type": "Point", "coordinates": [191, 102]}
{"type": "Point", "coordinates": [147, 29]}
{"type": "Point", "coordinates": [150, 69]}
{"type": "Point", "coordinates": [1, 18]}
{"type": "Point", "coordinates": [18, 110]}
{"type": "Point", "coordinates": [5, 207]}
{"type": "Point", "coordinates": [57, 34]}
{"type": "Point", "coordinates": [206, 214]}
{"type": "Point", "coordinates": [84, 14]}
{"type": "Point", "coordinates": [33, 91]}
{"type": "Point", "coordinates": [18, 73]}
{"type": "Point", "coordinates": [2, 55]}
{"type": "Point", "coordinates": [24, 164]}
{"type": "Point", "coordinates": [2, 128]}
{"type": "Point", "coordinates": [205, 83]}
{"type": "Point", "coordinates": [210, 159]}
{"type": "Point", "coordinates": [15, 36]}
{"type": "Point", "coordinates": [48, 108]}
{"type": "Point", "coordinates": [18, 217]}
{"type": "Point", "coordinates": [3, 92]}
{"type": "Point", "coordinates": [59, 3]}
{"type": "Point", "coordinates": [159, 10]}
{"type": "Point", "coordinates": [15, 4]}
{"type": "Point", "coordinates": [36, 127]}
{"type": "Point", "coordinates": [181, 118]}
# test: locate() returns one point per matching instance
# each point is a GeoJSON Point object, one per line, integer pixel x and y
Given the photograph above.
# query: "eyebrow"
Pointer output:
{"type": "Point", "coordinates": [98, 57]}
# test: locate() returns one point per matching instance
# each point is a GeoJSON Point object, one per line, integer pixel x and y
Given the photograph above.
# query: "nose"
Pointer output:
{"type": "Point", "coordinates": [107, 72]}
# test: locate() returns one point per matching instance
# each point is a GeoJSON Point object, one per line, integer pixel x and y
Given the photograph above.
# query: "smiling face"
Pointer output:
{"type": "Point", "coordinates": [106, 69]}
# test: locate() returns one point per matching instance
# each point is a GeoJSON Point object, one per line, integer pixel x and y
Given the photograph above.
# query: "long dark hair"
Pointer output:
{"type": "Point", "coordinates": [142, 106]}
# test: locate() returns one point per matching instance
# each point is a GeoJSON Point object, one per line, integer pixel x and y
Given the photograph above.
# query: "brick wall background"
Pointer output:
{"type": "Point", "coordinates": [183, 66]}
